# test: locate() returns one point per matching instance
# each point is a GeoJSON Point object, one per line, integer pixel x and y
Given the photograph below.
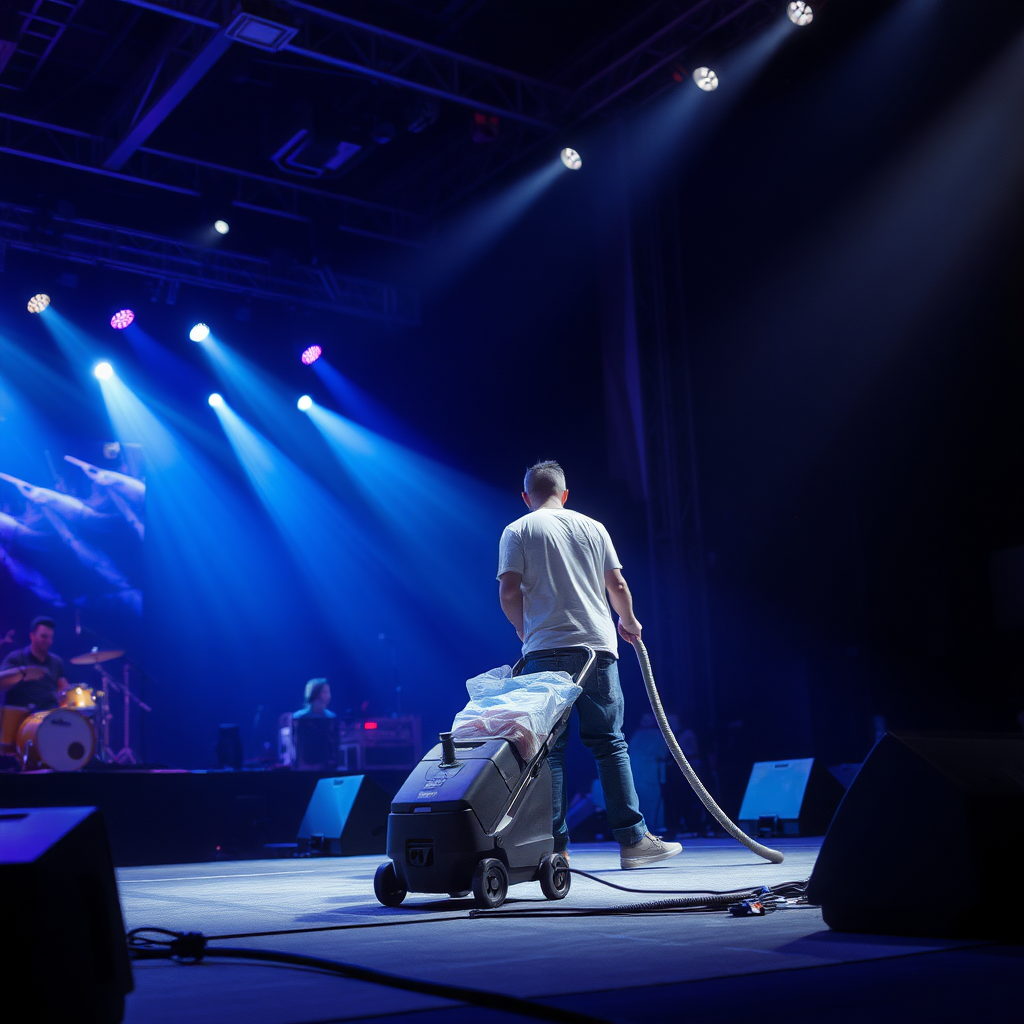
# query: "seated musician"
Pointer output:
{"type": "Point", "coordinates": [21, 682]}
{"type": "Point", "coordinates": [318, 696]}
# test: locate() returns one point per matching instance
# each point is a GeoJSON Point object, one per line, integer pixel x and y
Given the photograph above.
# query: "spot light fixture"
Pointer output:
{"type": "Point", "coordinates": [199, 333]}
{"type": "Point", "coordinates": [221, 227]}
{"type": "Point", "coordinates": [215, 400]}
{"type": "Point", "coordinates": [571, 159]}
{"type": "Point", "coordinates": [312, 354]}
{"type": "Point", "coordinates": [38, 303]}
{"type": "Point", "coordinates": [121, 319]}
{"type": "Point", "coordinates": [800, 12]}
{"type": "Point", "coordinates": [706, 79]}
{"type": "Point", "coordinates": [103, 371]}
{"type": "Point", "coordinates": [305, 403]}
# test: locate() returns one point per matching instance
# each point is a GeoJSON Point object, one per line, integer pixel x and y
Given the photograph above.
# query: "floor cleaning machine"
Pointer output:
{"type": "Point", "coordinates": [474, 817]}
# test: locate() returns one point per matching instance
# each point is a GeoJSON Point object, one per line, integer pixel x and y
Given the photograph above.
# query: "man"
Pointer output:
{"type": "Point", "coordinates": [318, 696]}
{"type": "Point", "coordinates": [554, 568]}
{"type": "Point", "coordinates": [315, 729]}
{"type": "Point", "coordinates": [33, 677]}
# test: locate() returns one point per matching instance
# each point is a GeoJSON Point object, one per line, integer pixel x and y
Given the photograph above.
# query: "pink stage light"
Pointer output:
{"type": "Point", "coordinates": [312, 354]}
{"type": "Point", "coordinates": [121, 319]}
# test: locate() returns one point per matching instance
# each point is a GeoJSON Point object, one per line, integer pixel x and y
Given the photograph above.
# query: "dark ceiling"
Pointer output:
{"type": "Point", "coordinates": [312, 128]}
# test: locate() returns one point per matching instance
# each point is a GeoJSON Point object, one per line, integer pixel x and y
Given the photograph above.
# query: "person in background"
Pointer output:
{"type": "Point", "coordinates": [318, 696]}
{"type": "Point", "coordinates": [21, 681]}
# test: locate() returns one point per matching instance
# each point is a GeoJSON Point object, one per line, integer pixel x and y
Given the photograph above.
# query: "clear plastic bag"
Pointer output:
{"type": "Point", "coordinates": [523, 709]}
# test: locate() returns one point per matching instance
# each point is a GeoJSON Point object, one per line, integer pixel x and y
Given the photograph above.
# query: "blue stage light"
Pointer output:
{"type": "Point", "coordinates": [305, 402]}
{"type": "Point", "coordinates": [103, 371]}
{"type": "Point", "coordinates": [199, 333]}
{"type": "Point", "coordinates": [571, 159]}
{"type": "Point", "coordinates": [312, 354]}
{"type": "Point", "coordinates": [215, 400]}
{"type": "Point", "coordinates": [121, 319]}
{"type": "Point", "coordinates": [800, 12]}
{"type": "Point", "coordinates": [706, 79]}
{"type": "Point", "coordinates": [38, 303]}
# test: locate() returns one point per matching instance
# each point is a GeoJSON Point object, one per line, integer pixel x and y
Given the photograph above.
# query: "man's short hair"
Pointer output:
{"type": "Point", "coordinates": [41, 620]}
{"type": "Point", "coordinates": [544, 479]}
{"type": "Point", "coordinates": [313, 688]}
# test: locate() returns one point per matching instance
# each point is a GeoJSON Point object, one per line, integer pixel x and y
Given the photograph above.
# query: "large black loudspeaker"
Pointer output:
{"type": "Point", "coordinates": [790, 798]}
{"type": "Point", "coordinates": [350, 814]}
{"type": "Point", "coordinates": [929, 840]}
{"type": "Point", "coordinates": [62, 943]}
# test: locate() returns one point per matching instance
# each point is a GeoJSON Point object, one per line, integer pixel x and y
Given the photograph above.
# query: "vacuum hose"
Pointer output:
{"type": "Point", "coordinates": [684, 766]}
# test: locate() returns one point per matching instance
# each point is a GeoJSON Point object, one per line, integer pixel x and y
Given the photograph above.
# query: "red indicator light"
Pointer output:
{"type": "Point", "coordinates": [369, 725]}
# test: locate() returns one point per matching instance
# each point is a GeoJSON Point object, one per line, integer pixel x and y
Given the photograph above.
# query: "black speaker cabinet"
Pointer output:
{"type": "Point", "coordinates": [62, 943]}
{"type": "Point", "coordinates": [350, 813]}
{"type": "Point", "coordinates": [929, 840]}
{"type": "Point", "coordinates": [790, 798]}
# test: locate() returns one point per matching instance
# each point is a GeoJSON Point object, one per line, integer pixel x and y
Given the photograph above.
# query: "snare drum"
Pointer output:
{"type": "Point", "coordinates": [81, 699]}
{"type": "Point", "coordinates": [10, 721]}
{"type": "Point", "coordinates": [63, 740]}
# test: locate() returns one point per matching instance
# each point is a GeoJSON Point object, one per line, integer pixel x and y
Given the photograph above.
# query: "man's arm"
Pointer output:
{"type": "Point", "coordinates": [511, 596]}
{"type": "Point", "coordinates": [622, 602]}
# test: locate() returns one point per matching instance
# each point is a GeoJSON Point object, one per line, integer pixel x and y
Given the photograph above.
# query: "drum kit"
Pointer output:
{"type": "Point", "coordinates": [66, 738]}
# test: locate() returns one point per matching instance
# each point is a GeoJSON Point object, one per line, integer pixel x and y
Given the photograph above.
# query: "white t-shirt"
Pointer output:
{"type": "Point", "coordinates": [562, 557]}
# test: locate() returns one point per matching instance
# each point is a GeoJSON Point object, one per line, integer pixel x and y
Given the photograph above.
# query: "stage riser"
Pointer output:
{"type": "Point", "coordinates": [177, 817]}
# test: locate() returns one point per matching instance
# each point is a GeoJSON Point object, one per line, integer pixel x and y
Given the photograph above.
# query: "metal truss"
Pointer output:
{"type": "Point", "coordinates": [328, 37]}
{"type": "Point", "coordinates": [625, 71]}
{"type": "Point", "coordinates": [171, 172]}
{"type": "Point", "coordinates": [628, 81]}
{"type": "Point", "coordinates": [44, 24]}
{"type": "Point", "coordinates": [155, 257]}
{"type": "Point", "coordinates": [645, 70]}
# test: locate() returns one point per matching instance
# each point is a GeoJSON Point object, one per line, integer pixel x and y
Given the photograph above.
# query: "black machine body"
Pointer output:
{"type": "Point", "coordinates": [474, 817]}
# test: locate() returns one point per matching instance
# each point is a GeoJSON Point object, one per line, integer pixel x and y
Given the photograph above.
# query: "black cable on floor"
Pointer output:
{"type": "Point", "coordinates": [684, 892]}
{"type": "Point", "coordinates": [191, 947]}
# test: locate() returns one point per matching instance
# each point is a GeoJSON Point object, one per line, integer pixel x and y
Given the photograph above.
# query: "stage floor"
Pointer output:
{"type": "Point", "coordinates": [709, 966]}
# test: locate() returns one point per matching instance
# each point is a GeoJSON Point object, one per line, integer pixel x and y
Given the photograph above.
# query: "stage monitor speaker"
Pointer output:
{"type": "Point", "coordinates": [62, 943]}
{"type": "Point", "coordinates": [350, 813]}
{"type": "Point", "coordinates": [790, 798]}
{"type": "Point", "coordinates": [928, 840]}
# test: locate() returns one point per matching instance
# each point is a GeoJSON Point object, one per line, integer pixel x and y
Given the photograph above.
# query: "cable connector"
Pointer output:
{"type": "Point", "coordinates": [748, 908]}
{"type": "Point", "coordinates": [189, 947]}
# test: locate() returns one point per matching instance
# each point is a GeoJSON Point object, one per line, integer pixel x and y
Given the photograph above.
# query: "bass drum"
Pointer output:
{"type": "Point", "coordinates": [62, 740]}
{"type": "Point", "coordinates": [10, 722]}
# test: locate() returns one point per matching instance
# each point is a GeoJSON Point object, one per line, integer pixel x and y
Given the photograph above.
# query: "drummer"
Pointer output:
{"type": "Point", "coordinates": [22, 683]}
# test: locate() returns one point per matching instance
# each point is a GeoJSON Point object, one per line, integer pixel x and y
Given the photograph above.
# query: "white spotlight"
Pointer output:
{"type": "Point", "coordinates": [215, 400]}
{"type": "Point", "coordinates": [800, 12]}
{"type": "Point", "coordinates": [103, 371]}
{"type": "Point", "coordinates": [222, 227]}
{"type": "Point", "coordinates": [571, 159]}
{"type": "Point", "coordinates": [199, 333]}
{"type": "Point", "coordinates": [305, 402]}
{"type": "Point", "coordinates": [706, 79]}
{"type": "Point", "coordinates": [38, 303]}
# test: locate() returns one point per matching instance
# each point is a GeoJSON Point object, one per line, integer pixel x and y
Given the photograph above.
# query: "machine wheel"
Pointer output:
{"type": "Point", "coordinates": [490, 883]}
{"type": "Point", "coordinates": [386, 886]}
{"type": "Point", "coordinates": [457, 894]}
{"type": "Point", "coordinates": [555, 877]}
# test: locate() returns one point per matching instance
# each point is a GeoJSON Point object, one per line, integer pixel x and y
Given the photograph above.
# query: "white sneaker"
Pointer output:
{"type": "Point", "coordinates": [649, 850]}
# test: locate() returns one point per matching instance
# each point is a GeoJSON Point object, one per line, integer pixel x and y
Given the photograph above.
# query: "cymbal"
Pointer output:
{"type": "Point", "coordinates": [25, 671]}
{"type": "Point", "coordinates": [94, 657]}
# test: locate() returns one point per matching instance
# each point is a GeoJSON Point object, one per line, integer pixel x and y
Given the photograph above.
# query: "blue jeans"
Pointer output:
{"type": "Point", "coordinates": [600, 708]}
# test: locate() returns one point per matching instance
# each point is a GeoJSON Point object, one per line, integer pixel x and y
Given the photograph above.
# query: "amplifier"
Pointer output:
{"type": "Point", "coordinates": [388, 744]}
